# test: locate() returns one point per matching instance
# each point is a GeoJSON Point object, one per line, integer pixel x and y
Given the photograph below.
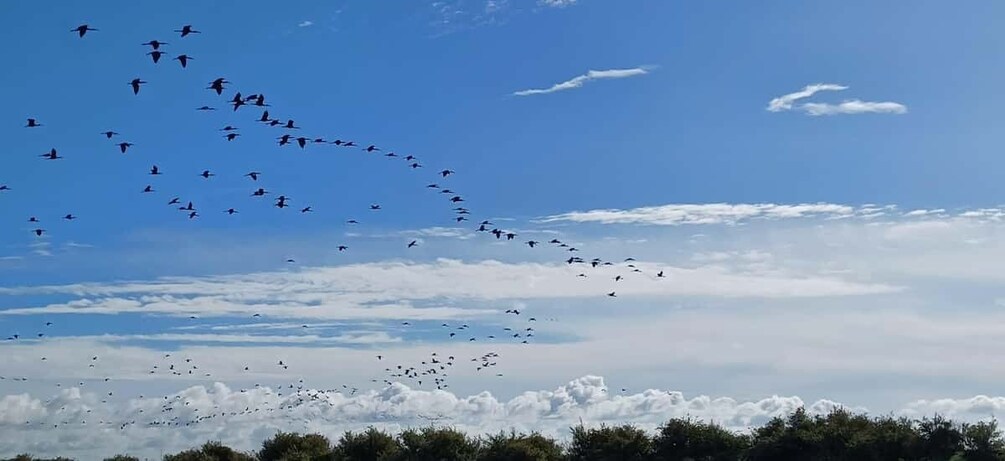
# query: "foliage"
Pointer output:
{"type": "Point", "coordinates": [520, 447]}
{"type": "Point", "coordinates": [210, 451]}
{"type": "Point", "coordinates": [838, 436]}
{"type": "Point", "coordinates": [618, 443]}
{"type": "Point", "coordinates": [286, 446]}
{"type": "Point", "coordinates": [688, 439]}
{"type": "Point", "coordinates": [369, 445]}
{"type": "Point", "coordinates": [436, 444]}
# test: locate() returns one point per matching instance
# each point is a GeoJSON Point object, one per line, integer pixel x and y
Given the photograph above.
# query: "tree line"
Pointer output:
{"type": "Point", "coordinates": [837, 436]}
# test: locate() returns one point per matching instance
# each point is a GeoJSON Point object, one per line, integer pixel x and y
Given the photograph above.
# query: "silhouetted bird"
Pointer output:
{"type": "Point", "coordinates": [231, 136]}
{"type": "Point", "coordinates": [217, 85]}
{"type": "Point", "coordinates": [156, 55]}
{"type": "Point", "coordinates": [109, 134]}
{"type": "Point", "coordinates": [154, 170]}
{"type": "Point", "coordinates": [230, 211]}
{"type": "Point", "coordinates": [148, 189]}
{"type": "Point", "coordinates": [413, 243]}
{"type": "Point", "coordinates": [83, 29]}
{"type": "Point", "coordinates": [187, 29]}
{"type": "Point", "coordinates": [135, 83]}
{"type": "Point", "coordinates": [124, 145]}
{"type": "Point", "coordinates": [306, 210]}
{"type": "Point", "coordinates": [446, 173]}
{"type": "Point", "coordinates": [204, 108]}
{"type": "Point", "coordinates": [253, 175]}
{"type": "Point", "coordinates": [69, 217]}
{"type": "Point", "coordinates": [374, 207]}
{"type": "Point", "coordinates": [51, 155]}
{"type": "Point", "coordinates": [183, 59]}
{"type": "Point", "coordinates": [154, 44]}
{"type": "Point", "coordinates": [32, 123]}
{"type": "Point", "coordinates": [206, 174]}
{"type": "Point", "coordinates": [38, 233]}
{"type": "Point", "coordinates": [174, 201]}
{"type": "Point", "coordinates": [342, 248]}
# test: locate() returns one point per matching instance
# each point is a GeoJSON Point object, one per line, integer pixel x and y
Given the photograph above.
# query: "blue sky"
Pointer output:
{"type": "Point", "coordinates": [807, 255]}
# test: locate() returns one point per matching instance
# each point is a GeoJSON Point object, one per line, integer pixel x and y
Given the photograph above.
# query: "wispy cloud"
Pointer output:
{"type": "Point", "coordinates": [557, 3]}
{"type": "Point", "coordinates": [853, 106]}
{"type": "Point", "coordinates": [305, 24]}
{"type": "Point", "coordinates": [581, 80]}
{"type": "Point", "coordinates": [785, 102]}
{"type": "Point", "coordinates": [710, 213]}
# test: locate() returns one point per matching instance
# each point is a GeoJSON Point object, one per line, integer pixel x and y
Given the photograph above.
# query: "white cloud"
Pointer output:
{"type": "Point", "coordinates": [785, 102]}
{"type": "Point", "coordinates": [853, 106]}
{"type": "Point", "coordinates": [712, 213]}
{"type": "Point", "coordinates": [388, 290]}
{"type": "Point", "coordinates": [75, 422]}
{"type": "Point", "coordinates": [305, 24]}
{"type": "Point", "coordinates": [583, 79]}
{"type": "Point", "coordinates": [557, 3]}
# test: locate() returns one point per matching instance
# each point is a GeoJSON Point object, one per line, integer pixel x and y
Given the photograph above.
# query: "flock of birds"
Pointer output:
{"type": "Point", "coordinates": [431, 372]}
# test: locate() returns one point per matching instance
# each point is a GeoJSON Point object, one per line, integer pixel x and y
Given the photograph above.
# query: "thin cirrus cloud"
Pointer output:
{"type": "Point", "coordinates": [789, 102]}
{"type": "Point", "coordinates": [579, 81]}
{"type": "Point", "coordinates": [557, 3]}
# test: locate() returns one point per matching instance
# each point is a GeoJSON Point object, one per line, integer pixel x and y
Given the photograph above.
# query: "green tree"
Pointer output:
{"type": "Point", "coordinates": [940, 438]}
{"type": "Point", "coordinates": [437, 444]}
{"type": "Point", "coordinates": [122, 458]}
{"type": "Point", "coordinates": [520, 447]}
{"type": "Point", "coordinates": [210, 451]}
{"type": "Point", "coordinates": [794, 437]}
{"type": "Point", "coordinates": [369, 445]}
{"type": "Point", "coordinates": [618, 443]}
{"type": "Point", "coordinates": [287, 446]}
{"type": "Point", "coordinates": [688, 439]}
{"type": "Point", "coordinates": [983, 442]}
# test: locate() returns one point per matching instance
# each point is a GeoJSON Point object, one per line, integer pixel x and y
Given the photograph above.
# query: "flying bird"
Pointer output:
{"type": "Point", "coordinates": [109, 134]}
{"type": "Point", "coordinates": [38, 233]}
{"type": "Point", "coordinates": [69, 217]}
{"type": "Point", "coordinates": [446, 173]}
{"type": "Point", "coordinates": [154, 44]}
{"type": "Point", "coordinates": [124, 145]}
{"type": "Point", "coordinates": [148, 189]}
{"type": "Point", "coordinates": [413, 243]}
{"type": "Point", "coordinates": [156, 55]}
{"type": "Point", "coordinates": [183, 59]}
{"type": "Point", "coordinates": [51, 155]}
{"type": "Point", "coordinates": [253, 175]}
{"type": "Point", "coordinates": [204, 108]}
{"type": "Point", "coordinates": [154, 170]}
{"type": "Point", "coordinates": [217, 85]}
{"type": "Point", "coordinates": [186, 30]}
{"type": "Point", "coordinates": [83, 29]}
{"type": "Point", "coordinates": [135, 83]}
{"type": "Point", "coordinates": [32, 123]}
{"type": "Point", "coordinates": [207, 174]}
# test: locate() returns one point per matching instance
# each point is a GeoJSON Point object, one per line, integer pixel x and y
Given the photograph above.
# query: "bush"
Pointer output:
{"type": "Point", "coordinates": [520, 447]}
{"type": "Point", "coordinates": [619, 443]}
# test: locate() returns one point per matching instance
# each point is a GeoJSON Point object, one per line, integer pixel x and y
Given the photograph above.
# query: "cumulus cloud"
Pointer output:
{"type": "Point", "coordinates": [76, 422]}
{"type": "Point", "coordinates": [850, 107]}
{"type": "Point", "coordinates": [87, 428]}
{"type": "Point", "coordinates": [581, 80]}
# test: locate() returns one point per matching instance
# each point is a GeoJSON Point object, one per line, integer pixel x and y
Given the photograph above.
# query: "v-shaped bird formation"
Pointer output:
{"type": "Point", "coordinates": [433, 371]}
